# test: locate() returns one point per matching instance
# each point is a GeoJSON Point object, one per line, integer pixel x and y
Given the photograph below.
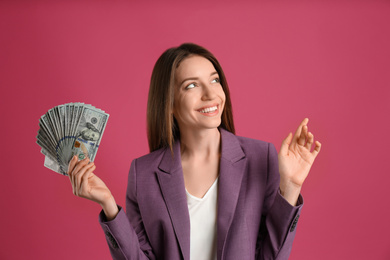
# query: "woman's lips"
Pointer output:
{"type": "Point", "coordinates": [210, 111]}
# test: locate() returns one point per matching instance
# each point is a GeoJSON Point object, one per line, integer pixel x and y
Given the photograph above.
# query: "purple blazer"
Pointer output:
{"type": "Point", "coordinates": [253, 220]}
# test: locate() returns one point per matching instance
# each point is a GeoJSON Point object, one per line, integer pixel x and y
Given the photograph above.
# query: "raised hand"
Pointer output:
{"type": "Point", "coordinates": [295, 160]}
{"type": "Point", "coordinates": [87, 185]}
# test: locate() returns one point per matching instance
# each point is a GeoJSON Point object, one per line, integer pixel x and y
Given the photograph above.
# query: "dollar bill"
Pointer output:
{"type": "Point", "coordinates": [68, 130]}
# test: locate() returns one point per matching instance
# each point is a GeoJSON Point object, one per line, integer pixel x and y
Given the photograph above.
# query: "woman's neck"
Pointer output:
{"type": "Point", "coordinates": [200, 144]}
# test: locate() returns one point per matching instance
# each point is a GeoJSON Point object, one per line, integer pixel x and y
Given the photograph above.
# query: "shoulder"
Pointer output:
{"type": "Point", "coordinates": [250, 143]}
{"type": "Point", "coordinates": [250, 146]}
{"type": "Point", "coordinates": [257, 148]}
{"type": "Point", "coordinates": [151, 159]}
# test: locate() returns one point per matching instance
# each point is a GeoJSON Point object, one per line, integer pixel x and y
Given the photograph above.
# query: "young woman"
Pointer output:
{"type": "Point", "coordinates": [202, 192]}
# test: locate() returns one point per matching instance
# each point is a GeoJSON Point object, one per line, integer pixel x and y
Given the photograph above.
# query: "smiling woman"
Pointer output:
{"type": "Point", "coordinates": [164, 87]}
{"type": "Point", "coordinates": [199, 97]}
{"type": "Point", "coordinates": [202, 192]}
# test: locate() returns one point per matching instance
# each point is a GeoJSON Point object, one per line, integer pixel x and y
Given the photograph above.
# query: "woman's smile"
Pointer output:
{"type": "Point", "coordinates": [209, 111]}
{"type": "Point", "coordinates": [199, 96]}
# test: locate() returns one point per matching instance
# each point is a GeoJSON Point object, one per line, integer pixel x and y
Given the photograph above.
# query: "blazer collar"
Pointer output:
{"type": "Point", "coordinates": [231, 171]}
{"type": "Point", "coordinates": [231, 148]}
{"type": "Point", "coordinates": [170, 163]}
{"type": "Point", "coordinates": [171, 180]}
{"type": "Point", "coordinates": [231, 151]}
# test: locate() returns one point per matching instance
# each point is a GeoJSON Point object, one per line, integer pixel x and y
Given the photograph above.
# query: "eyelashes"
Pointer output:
{"type": "Point", "coordinates": [191, 85]}
{"type": "Point", "coordinates": [216, 80]}
{"type": "Point", "coordinates": [194, 84]}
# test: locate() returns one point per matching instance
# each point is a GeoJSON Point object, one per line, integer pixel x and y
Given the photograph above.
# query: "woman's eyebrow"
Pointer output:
{"type": "Point", "coordinates": [195, 78]}
{"type": "Point", "coordinates": [187, 80]}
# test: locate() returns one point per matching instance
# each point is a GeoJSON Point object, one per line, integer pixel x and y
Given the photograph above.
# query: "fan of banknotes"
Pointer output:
{"type": "Point", "coordinates": [68, 130]}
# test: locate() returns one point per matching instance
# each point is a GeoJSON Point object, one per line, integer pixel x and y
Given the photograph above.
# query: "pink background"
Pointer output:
{"type": "Point", "coordinates": [284, 60]}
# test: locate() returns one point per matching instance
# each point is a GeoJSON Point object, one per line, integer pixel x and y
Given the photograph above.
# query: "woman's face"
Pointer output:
{"type": "Point", "coordinates": [199, 97]}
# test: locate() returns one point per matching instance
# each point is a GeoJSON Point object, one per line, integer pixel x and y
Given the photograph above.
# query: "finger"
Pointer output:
{"type": "Point", "coordinates": [71, 172]}
{"type": "Point", "coordinates": [310, 139]}
{"type": "Point", "coordinates": [299, 130]}
{"type": "Point", "coordinates": [72, 163]}
{"type": "Point", "coordinates": [84, 180]}
{"type": "Point", "coordinates": [80, 165]}
{"type": "Point", "coordinates": [75, 171]}
{"type": "Point", "coordinates": [78, 179]}
{"type": "Point", "coordinates": [317, 149]}
{"type": "Point", "coordinates": [79, 176]}
{"type": "Point", "coordinates": [285, 144]}
{"type": "Point", "coordinates": [302, 138]}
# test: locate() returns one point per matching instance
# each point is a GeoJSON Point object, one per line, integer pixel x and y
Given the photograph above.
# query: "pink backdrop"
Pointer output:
{"type": "Point", "coordinates": [284, 60]}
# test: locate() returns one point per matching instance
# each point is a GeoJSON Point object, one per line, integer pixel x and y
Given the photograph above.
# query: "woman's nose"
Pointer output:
{"type": "Point", "coordinates": [208, 92]}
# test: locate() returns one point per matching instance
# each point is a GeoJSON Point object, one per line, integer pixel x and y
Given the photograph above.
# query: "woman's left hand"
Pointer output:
{"type": "Point", "coordinates": [295, 160]}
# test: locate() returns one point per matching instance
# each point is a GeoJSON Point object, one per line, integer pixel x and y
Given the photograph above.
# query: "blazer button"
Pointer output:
{"type": "Point", "coordinates": [112, 240]}
{"type": "Point", "coordinates": [294, 224]}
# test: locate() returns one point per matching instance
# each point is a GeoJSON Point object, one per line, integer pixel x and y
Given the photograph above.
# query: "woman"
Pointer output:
{"type": "Point", "coordinates": [202, 192]}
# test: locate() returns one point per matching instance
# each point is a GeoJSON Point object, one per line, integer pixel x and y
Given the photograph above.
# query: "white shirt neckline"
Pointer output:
{"type": "Point", "coordinates": [206, 194]}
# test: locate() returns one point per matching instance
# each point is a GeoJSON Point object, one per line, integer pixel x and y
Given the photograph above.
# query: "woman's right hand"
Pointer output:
{"type": "Point", "coordinates": [87, 185]}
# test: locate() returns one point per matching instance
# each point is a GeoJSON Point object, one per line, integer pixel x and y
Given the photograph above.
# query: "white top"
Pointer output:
{"type": "Point", "coordinates": [203, 218]}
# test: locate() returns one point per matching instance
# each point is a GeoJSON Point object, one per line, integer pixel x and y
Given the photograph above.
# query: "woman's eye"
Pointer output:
{"type": "Point", "coordinates": [192, 85]}
{"type": "Point", "coordinates": [216, 80]}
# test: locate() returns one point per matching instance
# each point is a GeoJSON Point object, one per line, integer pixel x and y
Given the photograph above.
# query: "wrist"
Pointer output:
{"type": "Point", "coordinates": [290, 191]}
{"type": "Point", "coordinates": [110, 208]}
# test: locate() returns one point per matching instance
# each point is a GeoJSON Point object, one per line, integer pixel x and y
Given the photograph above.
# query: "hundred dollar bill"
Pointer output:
{"type": "Point", "coordinates": [53, 165]}
{"type": "Point", "coordinates": [68, 130]}
{"type": "Point", "coordinates": [85, 142]}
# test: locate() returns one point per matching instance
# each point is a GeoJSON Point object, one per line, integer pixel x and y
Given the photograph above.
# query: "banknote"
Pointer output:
{"type": "Point", "coordinates": [70, 129]}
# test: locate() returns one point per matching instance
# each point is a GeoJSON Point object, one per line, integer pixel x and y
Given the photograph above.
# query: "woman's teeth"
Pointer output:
{"type": "Point", "coordinates": [208, 110]}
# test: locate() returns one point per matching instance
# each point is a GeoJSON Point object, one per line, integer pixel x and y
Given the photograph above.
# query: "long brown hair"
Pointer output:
{"type": "Point", "coordinates": [162, 127]}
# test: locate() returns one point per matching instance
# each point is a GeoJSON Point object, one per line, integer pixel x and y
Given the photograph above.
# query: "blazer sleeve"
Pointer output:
{"type": "Point", "coordinates": [125, 234]}
{"type": "Point", "coordinates": [280, 218]}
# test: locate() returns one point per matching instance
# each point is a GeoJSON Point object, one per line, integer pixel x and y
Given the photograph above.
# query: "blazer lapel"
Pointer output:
{"type": "Point", "coordinates": [232, 168]}
{"type": "Point", "coordinates": [171, 180]}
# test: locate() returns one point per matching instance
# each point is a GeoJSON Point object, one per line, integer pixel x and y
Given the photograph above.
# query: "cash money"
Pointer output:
{"type": "Point", "coordinates": [68, 130]}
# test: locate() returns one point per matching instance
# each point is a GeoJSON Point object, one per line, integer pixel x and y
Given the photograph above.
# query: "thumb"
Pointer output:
{"type": "Point", "coordinates": [285, 144]}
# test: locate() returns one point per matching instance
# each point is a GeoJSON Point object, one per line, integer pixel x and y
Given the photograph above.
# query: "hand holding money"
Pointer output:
{"type": "Point", "coordinates": [69, 136]}
{"type": "Point", "coordinates": [87, 185]}
{"type": "Point", "coordinates": [68, 130]}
